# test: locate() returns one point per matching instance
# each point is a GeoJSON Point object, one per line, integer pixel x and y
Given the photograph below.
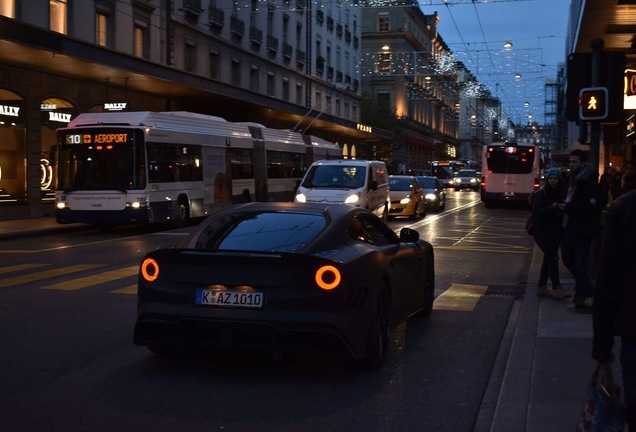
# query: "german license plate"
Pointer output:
{"type": "Point", "coordinates": [227, 298]}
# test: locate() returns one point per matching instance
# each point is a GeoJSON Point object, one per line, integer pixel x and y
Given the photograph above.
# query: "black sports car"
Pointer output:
{"type": "Point", "coordinates": [285, 277]}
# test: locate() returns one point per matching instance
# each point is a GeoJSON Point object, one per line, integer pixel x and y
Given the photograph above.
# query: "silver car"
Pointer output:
{"type": "Point", "coordinates": [466, 179]}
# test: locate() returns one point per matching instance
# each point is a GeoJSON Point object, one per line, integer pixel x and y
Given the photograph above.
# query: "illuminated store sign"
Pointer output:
{"type": "Point", "coordinates": [59, 117]}
{"type": "Point", "coordinates": [115, 106]}
{"type": "Point", "coordinates": [8, 110]}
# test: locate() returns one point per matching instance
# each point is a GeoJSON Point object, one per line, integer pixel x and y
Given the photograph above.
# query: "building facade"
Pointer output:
{"type": "Point", "coordinates": [282, 63]}
{"type": "Point", "coordinates": [407, 68]}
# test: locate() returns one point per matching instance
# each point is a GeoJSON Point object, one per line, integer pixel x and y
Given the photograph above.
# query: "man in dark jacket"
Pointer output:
{"type": "Point", "coordinates": [581, 218]}
{"type": "Point", "coordinates": [615, 299]}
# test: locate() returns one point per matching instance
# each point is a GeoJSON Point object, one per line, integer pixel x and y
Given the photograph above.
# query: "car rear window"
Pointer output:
{"type": "Point", "coordinates": [263, 231]}
{"type": "Point", "coordinates": [400, 183]}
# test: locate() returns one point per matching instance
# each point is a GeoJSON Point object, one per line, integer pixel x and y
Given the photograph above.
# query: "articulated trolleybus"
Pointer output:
{"type": "Point", "coordinates": [145, 167]}
{"type": "Point", "coordinates": [510, 172]}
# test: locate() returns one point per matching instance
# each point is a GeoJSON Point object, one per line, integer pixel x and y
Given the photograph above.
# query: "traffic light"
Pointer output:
{"type": "Point", "coordinates": [593, 103]}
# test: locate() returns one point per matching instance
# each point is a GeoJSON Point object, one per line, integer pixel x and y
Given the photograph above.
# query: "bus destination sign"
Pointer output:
{"type": "Point", "coordinates": [98, 138]}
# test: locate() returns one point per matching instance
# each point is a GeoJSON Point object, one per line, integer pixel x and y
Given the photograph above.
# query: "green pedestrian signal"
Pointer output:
{"type": "Point", "coordinates": [593, 103]}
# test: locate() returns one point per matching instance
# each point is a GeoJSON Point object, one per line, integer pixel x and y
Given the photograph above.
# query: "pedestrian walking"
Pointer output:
{"type": "Point", "coordinates": [629, 178]}
{"type": "Point", "coordinates": [615, 299]}
{"type": "Point", "coordinates": [581, 218]}
{"type": "Point", "coordinates": [547, 232]}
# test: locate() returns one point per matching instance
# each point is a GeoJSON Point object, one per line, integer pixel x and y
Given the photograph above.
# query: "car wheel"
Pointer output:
{"type": "Point", "coordinates": [182, 217]}
{"type": "Point", "coordinates": [378, 345]}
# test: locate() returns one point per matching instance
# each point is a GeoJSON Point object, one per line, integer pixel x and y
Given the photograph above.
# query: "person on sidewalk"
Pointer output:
{"type": "Point", "coordinates": [581, 218]}
{"type": "Point", "coordinates": [615, 299]}
{"type": "Point", "coordinates": [628, 182]}
{"type": "Point", "coordinates": [547, 233]}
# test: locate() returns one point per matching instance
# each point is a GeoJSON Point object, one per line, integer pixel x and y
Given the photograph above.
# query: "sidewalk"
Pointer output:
{"type": "Point", "coordinates": [539, 380]}
{"type": "Point", "coordinates": [15, 228]}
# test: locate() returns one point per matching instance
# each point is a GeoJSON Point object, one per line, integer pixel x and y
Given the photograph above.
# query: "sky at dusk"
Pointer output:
{"type": "Point", "coordinates": [476, 31]}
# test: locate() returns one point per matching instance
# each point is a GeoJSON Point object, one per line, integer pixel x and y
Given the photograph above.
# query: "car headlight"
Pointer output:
{"type": "Point", "coordinates": [405, 200]}
{"type": "Point", "coordinates": [458, 180]}
{"type": "Point", "coordinates": [473, 180]}
{"type": "Point", "coordinates": [351, 199]}
{"type": "Point", "coordinates": [431, 197]}
{"type": "Point", "coordinates": [301, 198]}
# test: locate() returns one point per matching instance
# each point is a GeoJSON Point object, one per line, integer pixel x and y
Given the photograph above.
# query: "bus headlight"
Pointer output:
{"type": "Point", "coordinates": [300, 198]}
{"type": "Point", "coordinates": [351, 199]}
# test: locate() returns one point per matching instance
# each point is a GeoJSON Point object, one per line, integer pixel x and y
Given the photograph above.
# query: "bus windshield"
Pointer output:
{"type": "Point", "coordinates": [88, 164]}
{"type": "Point", "coordinates": [510, 159]}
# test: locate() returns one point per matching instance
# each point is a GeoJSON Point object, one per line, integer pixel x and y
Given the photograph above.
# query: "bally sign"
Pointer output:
{"type": "Point", "coordinates": [59, 117]}
{"type": "Point", "coordinates": [8, 110]}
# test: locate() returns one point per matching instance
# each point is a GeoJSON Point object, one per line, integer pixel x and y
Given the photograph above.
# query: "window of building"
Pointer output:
{"type": "Point", "coordinates": [346, 110]}
{"type": "Point", "coordinates": [190, 56]}
{"type": "Point", "coordinates": [383, 22]}
{"type": "Point", "coordinates": [271, 84]}
{"type": "Point", "coordinates": [285, 89]}
{"type": "Point", "coordinates": [7, 8]}
{"type": "Point", "coordinates": [254, 79]}
{"type": "Point", "coordinates": [337, 107]}
{"type": "Point", "coordinates": [328, 104]}
{"type": "Point", "coordinates": [236, 72]}
{"type": "Point", "coordinates": [102, 33]}
{"type": "Point", "coordinates": [299, 94]}
{"type": "Point", "coordinates": [383, 66]}
{"type": "Point", "coordinates": [215, 64]}
{"type": "Point", "coordinates": [140, 40]}
{"type": "Point", "coordinates": [57, 16]}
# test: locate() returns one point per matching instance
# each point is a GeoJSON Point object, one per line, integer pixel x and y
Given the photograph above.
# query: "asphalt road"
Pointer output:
{"type": "Point", "coordinates": [67, 311]}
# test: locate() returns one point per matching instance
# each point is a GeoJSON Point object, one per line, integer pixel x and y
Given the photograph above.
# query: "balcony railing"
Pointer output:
{"type": "Point", "coordinates": [301, 57]}
{"type": "Point", "coordinates": [256, 35]}
{"type": "Point", "coordinates": [288, 50]}
{"type": "Point", "coordinates": [192, 7]}
{"type": "Point", "coordinates": [237, 26]}
{"type": "Point", "coordinates": [272, 44]}
{"type": "Point", "coordinates": [216, 16]}
{"type": "Point", "coordinates": [320, 16]}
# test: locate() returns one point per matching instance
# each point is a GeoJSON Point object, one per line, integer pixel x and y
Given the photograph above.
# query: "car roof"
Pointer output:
{"type": "Point", "coordinates": [352, 162]}
{"type": "Point", "coordinates": [334, 211]}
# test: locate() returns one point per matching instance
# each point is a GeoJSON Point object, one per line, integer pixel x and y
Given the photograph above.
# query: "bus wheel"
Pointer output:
{"type": "Point", "coordinates": [182, 217]}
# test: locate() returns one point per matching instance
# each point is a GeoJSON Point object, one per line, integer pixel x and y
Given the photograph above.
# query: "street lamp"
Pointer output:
{"type": "Point", "coordinates": [507, 45]}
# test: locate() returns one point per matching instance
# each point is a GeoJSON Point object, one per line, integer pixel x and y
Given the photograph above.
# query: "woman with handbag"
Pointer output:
{"type": "Point", "coordinates": [547, 233]}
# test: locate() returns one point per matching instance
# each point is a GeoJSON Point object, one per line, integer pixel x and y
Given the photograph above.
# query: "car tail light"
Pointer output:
{"type": "Point", "coordinates": [537, 184]}
{"type": "Point", "coordinates": [328, 277]}
{"type": "Point", "coordinates": [149, 269]}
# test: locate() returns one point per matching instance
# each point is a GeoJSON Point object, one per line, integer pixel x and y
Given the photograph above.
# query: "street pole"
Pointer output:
{"type": "Point", "coordinates": [597, 45]}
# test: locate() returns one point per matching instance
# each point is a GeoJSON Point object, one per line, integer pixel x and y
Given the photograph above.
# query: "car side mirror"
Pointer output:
{"type": "Point", "coordinates": [409, 235]}
{"type": "Point", "coordinates": [373, 185]}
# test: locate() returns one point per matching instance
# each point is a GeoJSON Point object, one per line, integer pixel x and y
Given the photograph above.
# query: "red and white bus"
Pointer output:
{"type": "Point", "coordinates": [510, 172]}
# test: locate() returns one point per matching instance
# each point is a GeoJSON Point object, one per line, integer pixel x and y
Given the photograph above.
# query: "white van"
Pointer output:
{"type": "Point", "coordinates": [361, 183]}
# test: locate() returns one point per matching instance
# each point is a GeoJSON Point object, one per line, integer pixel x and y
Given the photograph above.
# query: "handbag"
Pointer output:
{"type": "Point", "coordinates": [603, 411]}
{"type": "Point", "coordinates": [530, 224]}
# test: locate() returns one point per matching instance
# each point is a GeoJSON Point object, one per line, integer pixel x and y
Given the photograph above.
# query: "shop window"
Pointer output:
{"type": "Point", "coordinates": [12, 149]}
{"type": "Point", "coordinates": [55, 113]}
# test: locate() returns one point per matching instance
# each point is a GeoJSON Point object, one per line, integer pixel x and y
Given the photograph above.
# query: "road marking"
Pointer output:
{"type": "Point", "coordinates": [17, 280]}
{"type": "Point", "coordinates": [460, 297]}
{"type": "Point", "coordinates": [132, 289]}
{"type": "Point", "coordinates": [19, 267]}
{"type": "Point", "coordinates": [507, 249]}
{"type": "Point", "coordinates": [84, 282]}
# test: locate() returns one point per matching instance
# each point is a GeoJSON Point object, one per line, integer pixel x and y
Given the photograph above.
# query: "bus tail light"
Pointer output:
{"type": "Point", "coordinates": [149, 270]}
{"type": "Point", "coordinates": [328, 277]}
{"type": "Point", "coordinates": [537, 184]}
